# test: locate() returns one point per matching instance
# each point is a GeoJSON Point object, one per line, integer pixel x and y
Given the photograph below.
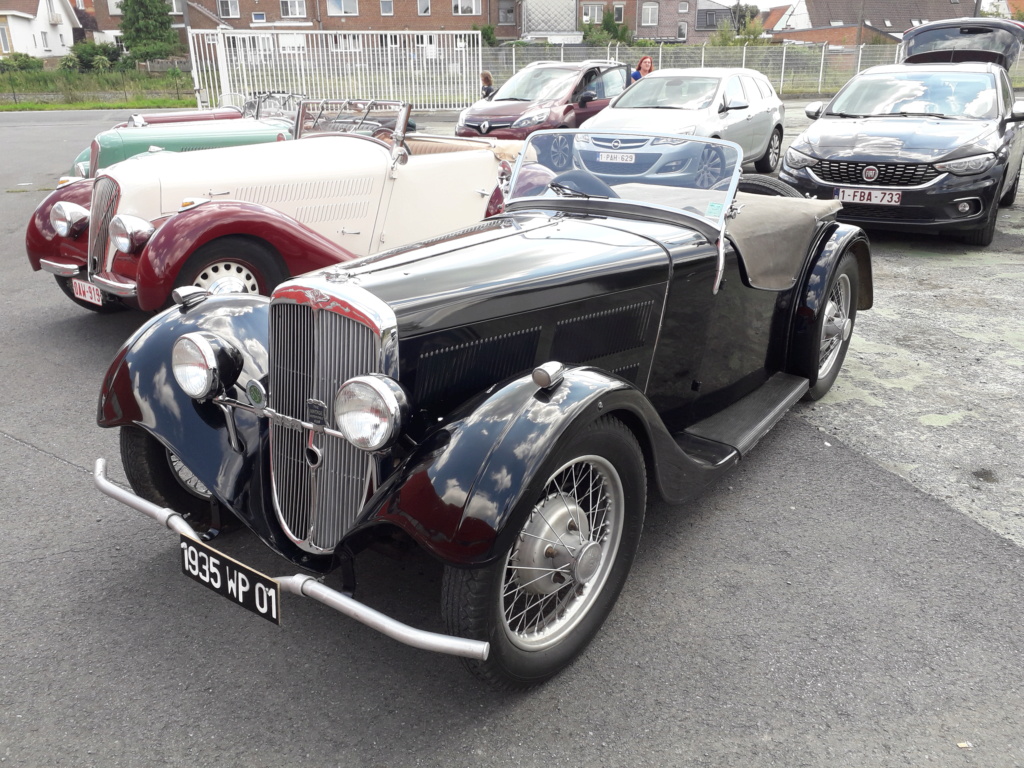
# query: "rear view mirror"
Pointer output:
{"type": "Point", "coordinates": [1017, 114]}
{"type": "Point", "coordinates": [813, 110]}
{"type": "Point", "coordinates": [586, 97]}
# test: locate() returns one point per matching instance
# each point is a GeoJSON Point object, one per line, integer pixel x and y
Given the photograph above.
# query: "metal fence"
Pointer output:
{"type": "Point", "coordinates": [433, 70]}
{"type": "Point", "coordinates": [441, 70]}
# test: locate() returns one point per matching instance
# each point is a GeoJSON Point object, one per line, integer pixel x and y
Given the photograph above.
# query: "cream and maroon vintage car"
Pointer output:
{"type": "Point", "coordinates": [245, 218]}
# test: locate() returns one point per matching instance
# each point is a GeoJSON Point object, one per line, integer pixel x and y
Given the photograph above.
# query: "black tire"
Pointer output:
{"type": "Point", "coordinates": [710, 167]}
{"type": "Point", "coordinates": [541, 638]}
{"type": "Point", "coordinates": [560, 153]}
{"type": "Point", "coordinates": [987, 232]}
{"type": "Point", "coordinates": [109, 305]}
{"type": "Point", "coordinates": [1010, 194]}
{"type": "Point", "coordinates": [765, 185]}
{"type": "Point", "coordinates": [233, 261]}
{"type": "Point", "coordinates": [819, 356]}
{"type": "Point", "coordinates": [769, 161]}
{"type": "Point", "coordinates": [157, 475]}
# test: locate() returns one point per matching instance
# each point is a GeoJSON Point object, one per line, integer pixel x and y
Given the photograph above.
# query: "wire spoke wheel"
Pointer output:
{"type": "Point", "coordinates": [187, 478]}
{"type": "Point", "coordinates": [837, 325]}
{"type": "Point", "coordinates": [564, 553]}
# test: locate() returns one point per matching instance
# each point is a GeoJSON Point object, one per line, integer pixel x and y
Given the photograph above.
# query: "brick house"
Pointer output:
{"type": "Point", "coordinates": [315, 15]}
{"type": "Point", "coordinates": [40, 28]}
{"type": "Point", "coordinates": [890, 17]}
{"type": "Point", "coordinates": [845, 35]}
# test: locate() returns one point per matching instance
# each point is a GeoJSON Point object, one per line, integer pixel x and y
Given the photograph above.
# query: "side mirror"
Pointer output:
{"type": "Point", "coordinates": [731, 104]}
{"type": "Point", "coordinates": [814, 109]}
{"type": "Point", "coordinates": [586, 97]}
{"type": "Point", "coordinates": [1017, 113]}
{"type": "Point", "coordinates": [399, 156]}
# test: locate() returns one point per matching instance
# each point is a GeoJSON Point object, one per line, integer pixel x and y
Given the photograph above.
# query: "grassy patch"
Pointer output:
{"type": "Point", "coordinates": [34, 106]}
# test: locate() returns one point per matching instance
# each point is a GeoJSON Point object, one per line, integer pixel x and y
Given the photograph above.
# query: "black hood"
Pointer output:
{"type": "Point", "coordinates": [892, 139]}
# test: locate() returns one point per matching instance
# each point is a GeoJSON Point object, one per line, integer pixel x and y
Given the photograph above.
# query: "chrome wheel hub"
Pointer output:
{"type": "Point", "coordinates": [837, 325]}
{"type": "Point", "coordinates": [227, 277]}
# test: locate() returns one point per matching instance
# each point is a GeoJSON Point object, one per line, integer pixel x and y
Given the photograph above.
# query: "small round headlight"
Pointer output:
{"type": "Point", "coordinates": [195, 365]}
{"type": "Point", "coordinates": [370, 411]}
{"type": "Point", "coordinates": [129, 233]}
{"type": "Point", "coordinates": [68, 219]}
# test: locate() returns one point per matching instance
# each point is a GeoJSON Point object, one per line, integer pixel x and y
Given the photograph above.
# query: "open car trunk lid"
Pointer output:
{"type": "Point", "coordinates": [957, 40]}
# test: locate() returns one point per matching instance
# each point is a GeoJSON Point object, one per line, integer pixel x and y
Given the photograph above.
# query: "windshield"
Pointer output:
{"type": "Point", "coordinates": [952, 94]}
{"type": "Point", "coordinates": [369, 117]}
{"type": "Point", "coordinates": [669, 93]}
{"type": "Point", "coordinates": [694, 175]}
{"type": "Point", "coordinates": [536, 84]}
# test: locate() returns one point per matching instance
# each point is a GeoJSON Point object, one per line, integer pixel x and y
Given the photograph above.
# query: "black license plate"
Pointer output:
{"type": "Point", "coordinates": [229, 578]}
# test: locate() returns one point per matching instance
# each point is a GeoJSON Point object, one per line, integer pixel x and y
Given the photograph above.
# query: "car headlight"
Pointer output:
{"type": "Point", "coordinates": [68, 219]}
{"type": "Point", "coordinates": [370, 411]}
{"type": "Point", "coordinates": [204, 364]}
{"type": "Point", "coordinates": [531, 118]}
{"type": "Point", "coordinates": [797, 160]}
{"type": "Point", "coordinates": [462, 118]}
{"type": "Point", "coordinates": [966, 166]}
{"type": "Point", "coordinates": [129, 233]}
{"type": "Point", "coordinates": [82, 169]}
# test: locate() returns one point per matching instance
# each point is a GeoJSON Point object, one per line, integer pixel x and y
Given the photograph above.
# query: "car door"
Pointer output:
{"type": "Point", "coordinates": [759, 116]}
{"type": "Point", "coordinates": [600, 83]}
{"type": "Point", "coordinates": [1013, 132]}
{"type": "Point", "coordinates": [734, 125]}
{"type": "Point", "coordinates": [433, 194]}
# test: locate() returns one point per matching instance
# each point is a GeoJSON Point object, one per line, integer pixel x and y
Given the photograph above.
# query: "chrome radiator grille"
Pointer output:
{"type": "Point", "coordinates": [312, 352]}
{"type": "Point", "coordinates": [889, 174]}
{"type": "Point", "coordinates": [105, 196]}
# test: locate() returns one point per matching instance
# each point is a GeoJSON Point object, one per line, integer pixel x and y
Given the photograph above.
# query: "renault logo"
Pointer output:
{"type": "Point", "coordinates": [870, 173]}
{"type": "Point", "coordinates": [485, 127]}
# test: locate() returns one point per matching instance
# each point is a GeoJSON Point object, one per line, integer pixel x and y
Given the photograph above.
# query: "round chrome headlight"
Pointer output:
{"type": "Point", "coordinates": [129, 233]}
{"type": "Point", "coordinates": [203, 365]}
{"type": "Point", "coordinates": [370, 411]}
{"type": "Point", "coordinates": [68, 219]}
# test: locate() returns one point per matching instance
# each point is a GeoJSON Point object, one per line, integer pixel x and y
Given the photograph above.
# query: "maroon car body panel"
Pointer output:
{"type": "Point", "coordinates": [300, 248]}
{"type": "Point", "coordinates": [42, 242]}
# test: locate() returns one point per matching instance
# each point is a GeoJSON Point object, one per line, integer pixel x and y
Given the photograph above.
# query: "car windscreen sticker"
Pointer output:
{"type": "Point", "coordinates": [714, 211]}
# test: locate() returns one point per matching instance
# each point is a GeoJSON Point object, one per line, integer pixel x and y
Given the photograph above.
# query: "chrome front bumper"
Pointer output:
{"type": "Point", "coordinates": [306, 586]}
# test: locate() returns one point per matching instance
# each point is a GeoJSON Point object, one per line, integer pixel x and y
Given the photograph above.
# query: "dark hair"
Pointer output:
{"type": "Point", "coordinates": [486, 78]}
{"type": "Point", "coordinates": [640, 63]}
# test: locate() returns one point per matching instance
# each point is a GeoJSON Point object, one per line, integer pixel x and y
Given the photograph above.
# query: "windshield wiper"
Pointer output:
{"type": "Point", "coordinates": [511, 98]}
{"type": "Point", "coordinates": [925, 114]}
{"type": "Point", "coordinates": [845, 114]}
{"type": "Point", "coordinates": [565, 191]}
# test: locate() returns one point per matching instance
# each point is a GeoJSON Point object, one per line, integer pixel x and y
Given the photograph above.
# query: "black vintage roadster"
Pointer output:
{"type": "Point", "coordinates": [506, 397]}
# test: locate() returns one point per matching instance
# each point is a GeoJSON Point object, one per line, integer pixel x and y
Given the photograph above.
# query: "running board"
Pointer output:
{"type": "Point", "coordinates": [746, 421]}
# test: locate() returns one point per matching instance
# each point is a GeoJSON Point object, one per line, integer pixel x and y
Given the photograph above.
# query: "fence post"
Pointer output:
{"type": "Point", "coordinates": [513, 59]}
{"type": "Point", "coordinates": [616, 51]}
{"type": "Point", "coordinates": [744, 64]}
{"type": "Point", "coordinates": [705, 45]}
{"type": "Point", "coordinates": [860, 53]}
{"type": "Point", "coordinates": [14, 93]}
{"type": "Point", "coordinates": [661, 48]}
{"type": "Point", "coordinates": [561, 51]}
{"type": "Point", "coordinates": [222, 67]}
{"type": "Point", "coordinates": [821, 69]}
{"type": "Point", "coordinates": [782, 75]}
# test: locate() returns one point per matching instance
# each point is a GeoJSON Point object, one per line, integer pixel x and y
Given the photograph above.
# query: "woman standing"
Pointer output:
{"type": "Point", "coordinates": [644, 68]}
{"type": "Point", "coordinates": [486, 83]}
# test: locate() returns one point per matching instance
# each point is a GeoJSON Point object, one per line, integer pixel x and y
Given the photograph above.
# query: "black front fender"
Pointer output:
{"type": "Point", "coordinates": [466, 491]}
{"type": "Point", "coordinates": [139, 389]}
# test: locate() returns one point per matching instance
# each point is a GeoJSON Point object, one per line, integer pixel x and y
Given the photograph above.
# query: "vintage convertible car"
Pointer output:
{"type": "Point", "coordinates": [245, 218]}
{"type": "Point", "coordinates": [185, 131]}
{"type": "Point", "coordinates": [505, 397]}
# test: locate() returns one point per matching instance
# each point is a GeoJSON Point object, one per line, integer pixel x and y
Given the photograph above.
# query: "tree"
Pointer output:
{"type": "Point", "coordinates": [146, 29]}
{"type": "Point", "coordinates": [745, 14]}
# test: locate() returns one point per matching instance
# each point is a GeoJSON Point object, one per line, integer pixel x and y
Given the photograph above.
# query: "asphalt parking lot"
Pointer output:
{"type": "Point", "coordinates": [851, 595]}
